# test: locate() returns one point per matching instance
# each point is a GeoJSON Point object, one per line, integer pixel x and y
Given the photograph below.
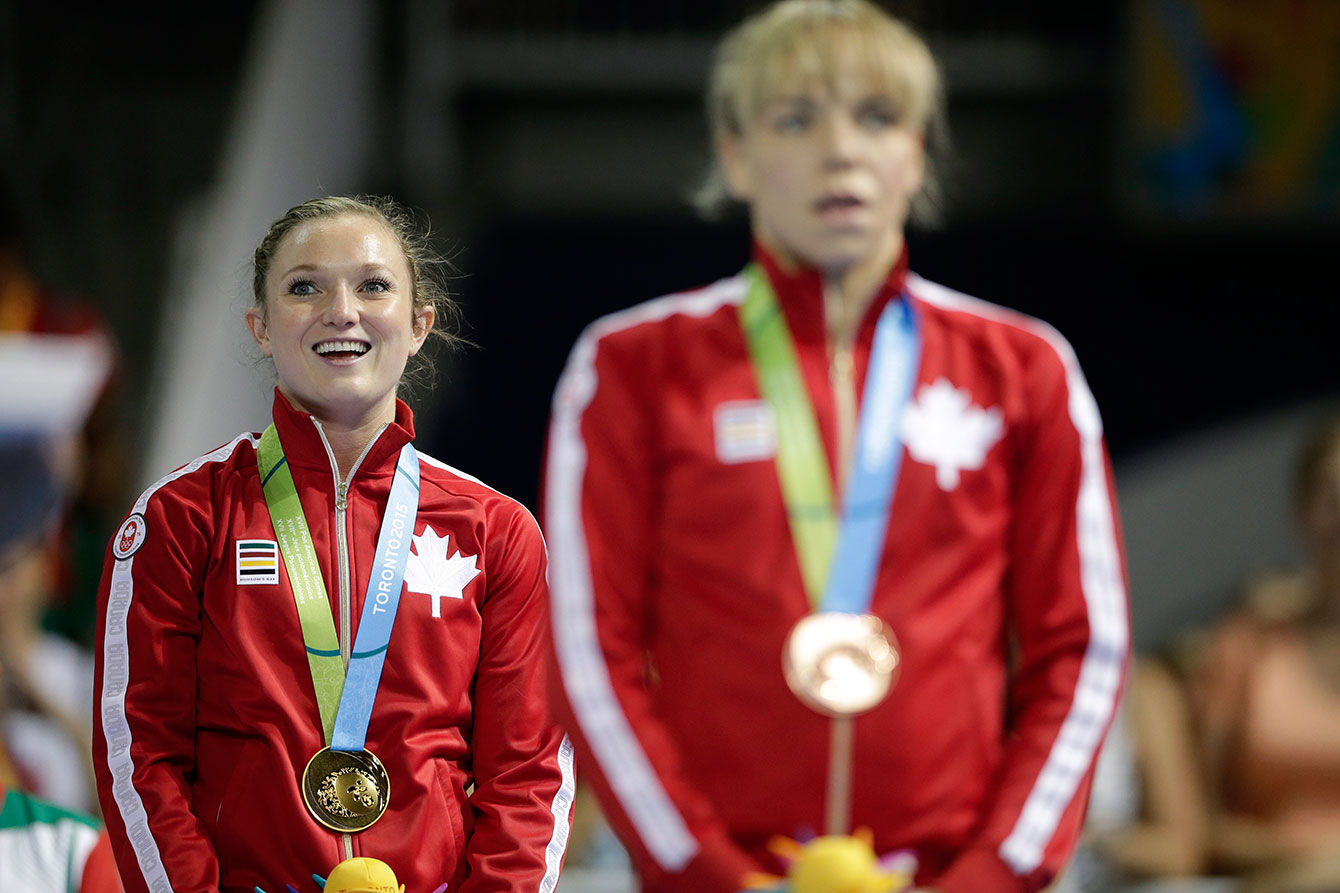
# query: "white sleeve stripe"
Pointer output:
{"type": "Point", "coordinates": [116, 676]}
{"type": "Point", "coordinates": [585, 675]}
{"type": "Point", "coordinates": [438, 463]}
{"type": "Point", "coordinates": [1104, 588]}
{"type": "Point", "coordinates": [561, 807]}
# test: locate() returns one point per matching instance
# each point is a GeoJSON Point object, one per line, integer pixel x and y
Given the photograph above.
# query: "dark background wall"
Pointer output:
{"type": "Point", "coordinates": [552, 143]}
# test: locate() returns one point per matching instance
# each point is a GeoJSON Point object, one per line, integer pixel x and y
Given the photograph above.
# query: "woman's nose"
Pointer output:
{"type": "Point", "coordinates": [342, 310]}
{"type": "Point", "coordinates": [839, 140]}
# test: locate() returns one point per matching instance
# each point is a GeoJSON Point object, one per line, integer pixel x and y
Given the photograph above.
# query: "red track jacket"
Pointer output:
{"type": "Point", "coordinates": [675, 583]}
{"type": "Point", "coordinates": [207, 716]}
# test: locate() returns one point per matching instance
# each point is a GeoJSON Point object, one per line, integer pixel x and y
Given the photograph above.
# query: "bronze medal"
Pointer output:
{"type": "Point", "coordinates": [840, 664]}
{"type": "Point", "coordinates": [345, 790]}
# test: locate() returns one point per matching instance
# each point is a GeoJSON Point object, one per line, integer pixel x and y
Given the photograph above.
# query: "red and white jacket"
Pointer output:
{"type": "Point", "coordinates": [674, 584]}
{"type": "Point", "coordinates": [206, 711]}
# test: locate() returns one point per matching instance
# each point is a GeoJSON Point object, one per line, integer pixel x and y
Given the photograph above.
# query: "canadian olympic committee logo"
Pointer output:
{"type": "Point", "coordinates": [129, 537]}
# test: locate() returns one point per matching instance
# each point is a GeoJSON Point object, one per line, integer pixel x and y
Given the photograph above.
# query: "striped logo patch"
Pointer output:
{"type": "Point", "coordinates": [257, 562]}
{"type": "Point", "coordinates": [746, 431]}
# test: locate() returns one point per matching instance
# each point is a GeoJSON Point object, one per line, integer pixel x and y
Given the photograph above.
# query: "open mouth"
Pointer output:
{"type": "Point", "coordinates": [837, 203]}
{"type": "Point", "coordinates": [342, 350]}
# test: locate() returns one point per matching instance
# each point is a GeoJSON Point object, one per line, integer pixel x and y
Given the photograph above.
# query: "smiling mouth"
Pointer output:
{"type": "Point", "coordinates": [342, 350]}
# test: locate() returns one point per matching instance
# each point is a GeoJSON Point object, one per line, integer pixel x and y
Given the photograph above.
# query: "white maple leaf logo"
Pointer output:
{"type": "Point", "coordinates": [943, 428]}
{"type": "Point", "coordinates": [430, 572]}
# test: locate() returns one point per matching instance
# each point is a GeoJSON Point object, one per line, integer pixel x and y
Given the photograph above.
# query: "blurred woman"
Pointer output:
{"type": "Point", "coordinates": [1148, 815]}
{"type": "Point", "coordinates": [829, 444]}
{"type": "Point", "coordinates": [1268, 698]}
{"type": "Point", "coordinates": [241, 743]}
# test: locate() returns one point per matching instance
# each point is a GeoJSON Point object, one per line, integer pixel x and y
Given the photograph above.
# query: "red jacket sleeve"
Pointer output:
{"type": "Point", "coordinates": [1068, 610]}
{"type": "Point", "coordinates": [523, 764]}
{"type": "Point", "coordinates": [600, 497]}
{"type": "Point", "coordinates": [145, 681]}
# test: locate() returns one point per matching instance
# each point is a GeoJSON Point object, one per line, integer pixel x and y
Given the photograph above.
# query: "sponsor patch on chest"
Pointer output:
{"type": "Point", "coordinates": [745, 431]}
{"type": "Point", "coordinates": [257, 562]}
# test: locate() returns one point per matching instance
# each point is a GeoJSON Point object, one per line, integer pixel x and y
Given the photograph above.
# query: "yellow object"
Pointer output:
{"type": "Point", "coordinates": [363, 875]}
{"type": "Point", "coordinates": [841, 865]}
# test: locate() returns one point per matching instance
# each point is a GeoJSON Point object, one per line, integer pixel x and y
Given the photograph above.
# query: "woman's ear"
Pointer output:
{"type": "Point", "coordinates": [255, 319]}
{"type": "Point", "coordinates": [733, 158]}
{"type": "Point", "coordinates": [424, 318]}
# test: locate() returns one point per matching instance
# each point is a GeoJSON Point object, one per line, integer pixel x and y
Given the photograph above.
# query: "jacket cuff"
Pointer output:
{"type": "Point", "coordinates": [977, 870]}
{"type": "Point", "coordinates": [719, 867]}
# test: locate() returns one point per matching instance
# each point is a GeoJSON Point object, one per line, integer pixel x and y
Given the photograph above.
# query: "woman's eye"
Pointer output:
{"type": "Point", "coordinates": [302, 287]}
{"type": "Point", "coordinates": [877, 118]}
{"type": "Point", "coordinates": [377, 286]}
{"type": "Point", "coordinates": [791, 122]}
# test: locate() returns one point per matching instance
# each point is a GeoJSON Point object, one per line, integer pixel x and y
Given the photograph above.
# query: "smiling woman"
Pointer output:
{"type": "Point", "coordinates": [343, 302]}
{"type": "Point", "coordinates": [383, 257]}
{"type": "Point", "coordinates": [359, 743]}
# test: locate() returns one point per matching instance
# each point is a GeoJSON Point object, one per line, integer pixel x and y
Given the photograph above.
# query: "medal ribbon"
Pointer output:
{"type": "Point", "coordinates": [838, 562]}
{"type": "Point", "coordinates": [380, 600]}
{"type": "Point", "coordinates": [345, 701]}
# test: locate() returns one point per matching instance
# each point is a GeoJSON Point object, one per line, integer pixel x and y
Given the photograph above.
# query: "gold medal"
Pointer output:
{"type": "Point", "coordinates": [345, 790]}
{"type": "Point", "coordinates": [840, 664]}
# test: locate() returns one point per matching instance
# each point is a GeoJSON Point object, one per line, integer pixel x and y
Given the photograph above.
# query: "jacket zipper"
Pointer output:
{"type": "Point", "coordinates": [842, 375]}
{"type": "Point", "coordinates": [342, 559]}
{"type": "Point", "coordinates": [842, 379]}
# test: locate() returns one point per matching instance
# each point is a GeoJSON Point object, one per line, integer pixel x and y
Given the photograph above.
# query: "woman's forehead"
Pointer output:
{"type": "Point", "coordinates": [798, 83]}
{"type": "Point", "coordinates": [366, 232]}
{"type": "Point", "coordinates": [346, 239]}
{"type": "Point", "coordinates": [839, 62]}
{"type": "Point", "coordinates": [343, 222]}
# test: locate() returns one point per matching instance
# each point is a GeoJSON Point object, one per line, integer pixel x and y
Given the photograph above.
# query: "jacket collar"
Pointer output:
{"type": "Point", "coordinates": [800, 294]}
{"type": "Point", "coordinates": [303, 444]}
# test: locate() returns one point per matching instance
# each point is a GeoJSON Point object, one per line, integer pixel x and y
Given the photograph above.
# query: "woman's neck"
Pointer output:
{"type": "Point", "coordinates": [348, 435]}
{"type": "Point", "coordinates": [847, 297]}
{"type": "Point", "coordinates": [849, 288]}
{"type": "Point", "coordinates": [347, 443]}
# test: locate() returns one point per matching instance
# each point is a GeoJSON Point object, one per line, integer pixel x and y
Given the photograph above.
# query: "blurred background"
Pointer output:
{"type": "Point", "coordinates": [1159, 179]}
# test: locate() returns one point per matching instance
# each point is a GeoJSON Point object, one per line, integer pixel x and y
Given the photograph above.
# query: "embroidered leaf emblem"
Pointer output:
{"type": "Point", "coordinates": [943, 428]}
{"type": "Point", "coordinates": [430, 572]}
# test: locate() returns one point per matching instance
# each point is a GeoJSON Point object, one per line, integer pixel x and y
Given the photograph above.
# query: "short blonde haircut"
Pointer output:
{"type": "Point", "coordinates": [802, 40]}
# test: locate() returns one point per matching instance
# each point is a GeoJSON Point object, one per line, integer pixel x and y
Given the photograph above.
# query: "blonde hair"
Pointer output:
{"type": "Point", "coordinates": [427, 268]}
{"type": "Point", "coordinates": [804, 39]}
